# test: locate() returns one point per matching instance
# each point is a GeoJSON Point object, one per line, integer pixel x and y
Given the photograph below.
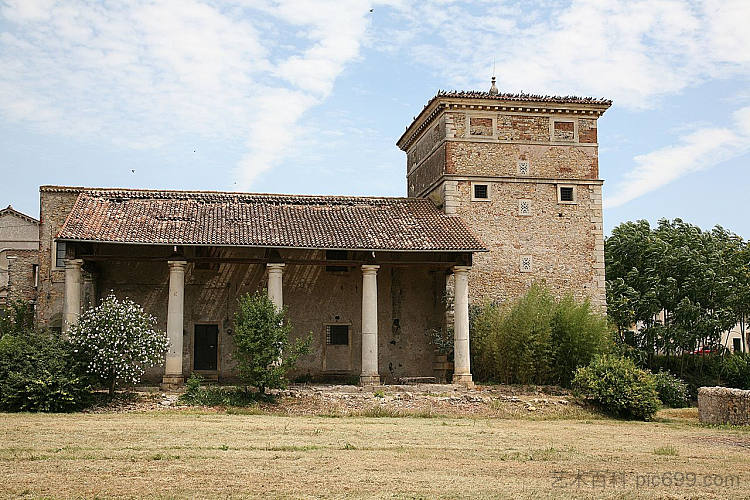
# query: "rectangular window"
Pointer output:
{"type": "Point", "coordinates": [337, 334]}
{"type": "Point", "coordinates": [736, 345]}
{"type": "Point", "coordinates": [60, 251]}
{"type": "Point", "coordinates": [337, 255]}
{"type": "Point", "coordinates": [480, 192]}
{"type": "Point", "coordinates": [35, 272]}
{"type": "Point", "coordinates": [566, 194]}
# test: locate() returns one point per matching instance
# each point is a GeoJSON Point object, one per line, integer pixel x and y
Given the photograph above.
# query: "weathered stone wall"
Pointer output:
{"type": "Point", "coordinates": [523, 128]}
{"type": "Point", "coordinates": [565, 241]}
{"type": "Point", "coordinates": [21, 265]}
{"type": "Point", "coordinates": [721, 405]}
{"type": "Point", "coordinates": [501, 159]}
{"type": "Point", "coordinates": [18, 232]}
{"type": "Point", "coordinates": [55, 205]}
{"type": "Point", "coordinates": [427, 172]}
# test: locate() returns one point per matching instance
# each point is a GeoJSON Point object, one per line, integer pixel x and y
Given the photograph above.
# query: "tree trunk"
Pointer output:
{"type": "Point", "coordinates": [112, 386]}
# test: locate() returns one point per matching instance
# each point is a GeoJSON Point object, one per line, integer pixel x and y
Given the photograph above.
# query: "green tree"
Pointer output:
{"type": "Point", "coordinates": [680, 286]}
{"type": "Point", "coordinates": [262, 348]}
{"type": "Point", "coordinates": [119, 341]}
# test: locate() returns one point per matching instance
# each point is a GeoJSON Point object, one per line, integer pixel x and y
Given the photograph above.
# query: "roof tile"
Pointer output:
{"type": "Point", "coordinates": [264, 220]}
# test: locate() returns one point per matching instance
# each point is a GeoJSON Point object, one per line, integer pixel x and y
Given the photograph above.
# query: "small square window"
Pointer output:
{"type": "Point", "coordinates": [480, 192]}
{"type": "Point", "coordinates": [337, 334]}
{"type": "Point", "coordinates": [526, 263]}
{"type": "Point", "coordinates": [60, 251]}
{"type": "Point", "coordinates": [524, 207]}
{"type": "Point", "coordinates": [566, 194]}
{"type": "Point", "coordinates": [523, 167]}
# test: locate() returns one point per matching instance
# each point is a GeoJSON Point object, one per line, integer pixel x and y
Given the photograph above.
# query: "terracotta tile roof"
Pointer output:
{"type": "Point", "coordinates": [264, 220]}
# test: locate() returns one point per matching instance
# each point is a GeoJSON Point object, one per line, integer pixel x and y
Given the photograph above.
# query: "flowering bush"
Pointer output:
{"type": "Point", "coordinates": [118, 340]}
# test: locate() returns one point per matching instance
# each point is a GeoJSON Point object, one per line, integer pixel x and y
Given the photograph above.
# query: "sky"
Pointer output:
{"type": "Point", "coordinates": [310, 96]}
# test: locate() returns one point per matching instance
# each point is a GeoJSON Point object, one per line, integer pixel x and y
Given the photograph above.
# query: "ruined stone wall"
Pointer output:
{"type": "Point", "coordinates": [721, 405]}
{"type": "Point", "coordinates": [55, 205]}
{"type": "Point", "coordinates": [21, 265]}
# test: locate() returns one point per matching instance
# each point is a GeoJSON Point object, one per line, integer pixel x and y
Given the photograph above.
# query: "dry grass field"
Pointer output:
{"type": "Point", "coordinates": [208, 454]}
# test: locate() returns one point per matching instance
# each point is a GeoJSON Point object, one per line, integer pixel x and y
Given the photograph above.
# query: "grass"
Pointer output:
{"type": "Point", "coordinates": [666, 451]}
{"type": "Point", "coordinates": [379, 453]}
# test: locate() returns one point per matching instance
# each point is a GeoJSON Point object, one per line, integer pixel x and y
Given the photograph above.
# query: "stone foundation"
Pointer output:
{"type": "Point", "coordinates": [720, 405]}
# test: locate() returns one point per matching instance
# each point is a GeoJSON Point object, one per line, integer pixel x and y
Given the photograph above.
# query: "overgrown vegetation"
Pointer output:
{"type": "Point", "coordinates": [39, 370]}
{"type": "Point", "coordinates": [673, 392]}
{"type": "Point", "coordinates": [618, 387]}
{"type": "Point", "coordinates": [262, 349]}
{"type": "Point", "coordinates": [119, 341]}
{"type": "Point", "coordinates": [198, 394]}
{"type": "Point", "coordinates": [537, 339]}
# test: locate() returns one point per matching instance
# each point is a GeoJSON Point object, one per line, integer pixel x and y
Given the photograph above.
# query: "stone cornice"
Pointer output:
{"type": "Point", "coordinates": [439, 103]}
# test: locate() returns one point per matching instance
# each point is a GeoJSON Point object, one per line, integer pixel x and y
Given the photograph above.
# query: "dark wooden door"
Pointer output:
{"type": "Point", "coordinates": [206, 347]}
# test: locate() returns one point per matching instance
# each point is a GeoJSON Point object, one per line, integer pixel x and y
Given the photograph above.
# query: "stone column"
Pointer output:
{"type": "Point", "coordinates": [72, 298]}
{"type": "Point", "coordinates": [369, 374]}
{"type": "Point", "coordinates": [175, 317]}
{"type": "Point", "coordinates": [275, 293]}
{"type": "Point", "coordinates": [461, 356]}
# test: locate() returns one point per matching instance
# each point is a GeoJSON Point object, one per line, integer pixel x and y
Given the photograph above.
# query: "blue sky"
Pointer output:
{"type": "Point", "coordinates": [310, 96]}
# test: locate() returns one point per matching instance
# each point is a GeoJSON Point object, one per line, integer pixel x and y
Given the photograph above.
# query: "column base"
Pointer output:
{"type": "Point", "coordinates": [369, 380]}
{"type": "Point", "coordinates": [463, 379]}
{"type": "Point", "coordinates": [172, 382]}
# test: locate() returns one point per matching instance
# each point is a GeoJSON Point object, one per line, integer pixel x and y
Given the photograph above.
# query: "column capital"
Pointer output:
{"type": "Point", "coordinates": [370, 268]}
{"type": "Point", "coordinates": [73, 263]}
{"type": "Point", "coordinates": [461, 269]}
{"type": "Point", "coordinates": [275, 266]}
{"type": "Point", "coordinates": [175, 265]}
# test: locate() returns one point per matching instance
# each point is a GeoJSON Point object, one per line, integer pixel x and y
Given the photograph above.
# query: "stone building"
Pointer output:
{"type": "Point", "coordinates": [503, 190]}
{"type": "Point", "coordinates": [19, 242]}
{"type": "Point", "coordinates": [522, 171]}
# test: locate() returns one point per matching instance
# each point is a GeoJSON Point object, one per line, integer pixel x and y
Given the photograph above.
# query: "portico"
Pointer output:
{"type": "Point", "coordinates": [363, 277]}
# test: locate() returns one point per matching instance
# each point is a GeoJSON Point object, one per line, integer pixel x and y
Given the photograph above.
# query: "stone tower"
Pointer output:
{"type": "Point", "coordinates": [522, 171]}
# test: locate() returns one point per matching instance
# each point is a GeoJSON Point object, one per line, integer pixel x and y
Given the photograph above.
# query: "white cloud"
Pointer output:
{"type": "Point", "coordinates": [633, 52]}
{"type": "Point", "coordinates": [695, 151]}
{"type": "Point", "coordinates": [145, 73]}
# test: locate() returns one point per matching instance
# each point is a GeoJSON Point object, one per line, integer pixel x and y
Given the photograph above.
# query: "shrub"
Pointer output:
{"type": "Point", "coordinates": [673, 392]}
{"type": "Point", "coordinates": [261, 343]}
{"type": "Point", "coordinates": [618, 387]}
{"type": "Point", "coordinates": [537, 339]}
{"type": "Point", "coordinates": [40, 372]}
{"type": "Point", "coordinates": [198, 394]}
{"type": "Point", "coordinates": [118, 340]}
{"type": "Point", "coordinates": [578, 335]}
{"type": "Point", "coordinates": [736, 371]}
